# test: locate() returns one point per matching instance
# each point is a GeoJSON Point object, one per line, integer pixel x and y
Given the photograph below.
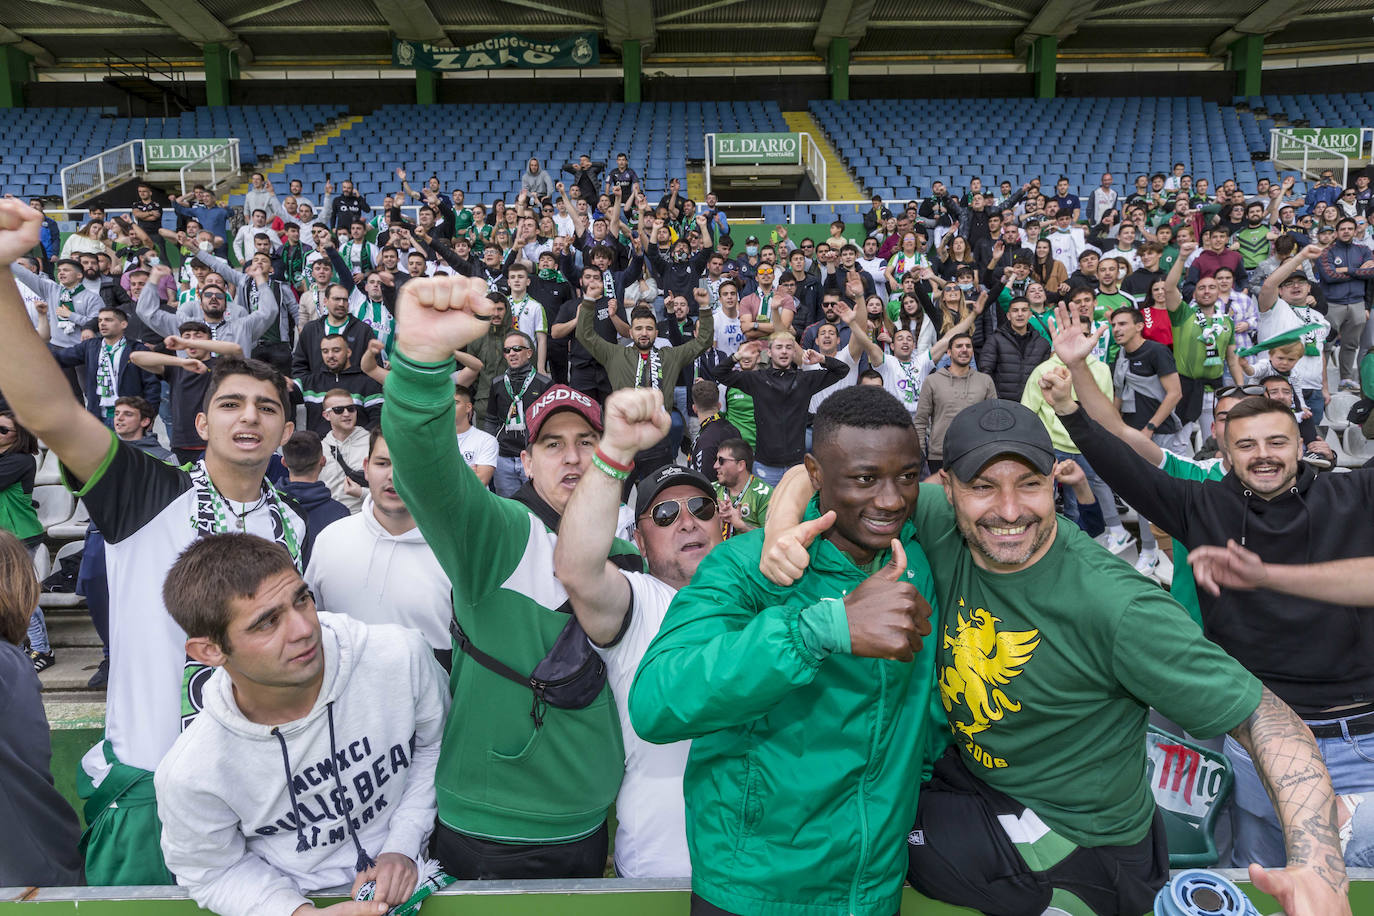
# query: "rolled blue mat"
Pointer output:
{"type": "Point", "coordinates": [1198, 892]}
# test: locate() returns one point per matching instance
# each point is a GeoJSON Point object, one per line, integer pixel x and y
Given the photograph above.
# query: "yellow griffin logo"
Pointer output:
{"type": "Point", "coordinates": [980, 657]}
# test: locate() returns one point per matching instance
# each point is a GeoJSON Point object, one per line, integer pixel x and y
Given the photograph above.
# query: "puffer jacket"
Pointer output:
{"type": "Point", "coordinates": [1010, 358]}
{"type": "Point", "coordinates": [802, 780]}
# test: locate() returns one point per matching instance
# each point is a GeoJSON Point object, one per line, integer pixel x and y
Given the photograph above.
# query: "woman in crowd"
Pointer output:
{"type": "Point", "coordinates": [18, 466]}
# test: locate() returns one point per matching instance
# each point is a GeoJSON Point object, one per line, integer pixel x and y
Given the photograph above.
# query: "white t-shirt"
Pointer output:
{"type": "Point", "coordinates": [851, 378]}
{"type": "Point", "coordinates": [729, 334]}
{"type": "Point", "coordinates": [651, 837]}
{"type": "Point", "coordinates": [528, 315]}
{"type": "Point", "coordinates": [479, 448]}
{"type": "Point", "coordinates": [874, 267]}
{"type": "Point", "coordinates": [904, 380]}
{"type": "Point", "coordinates": [1284, 317]}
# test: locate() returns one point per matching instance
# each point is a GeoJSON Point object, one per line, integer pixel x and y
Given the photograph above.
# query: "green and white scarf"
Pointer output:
{"type": "Point", "coordinates": [364, 257]}
{"type": "Point", "coordinates": [376, 316]}
{"type": "Point", "coordinates": [105, 376]}
{"type": "Point", "coordinates": [650, 374]}
{"type": "Point", "coordinates": [1209, 329]}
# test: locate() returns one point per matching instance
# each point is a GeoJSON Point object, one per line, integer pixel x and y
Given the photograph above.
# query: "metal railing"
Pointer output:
{"type": "Point", "coordinates": [1316, 152]}
{"type": "Point", "coordinates": [862, 203]}
{"type": "Point", "coordinates": [809, 157]}
{"type": "Point", "coordinates": [96, 174]}
{"type": "Point", "coordinates": [223, 165]}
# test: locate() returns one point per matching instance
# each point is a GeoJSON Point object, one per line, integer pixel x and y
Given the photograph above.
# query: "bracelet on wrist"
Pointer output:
{"type": "Point", "coordinates": [611, 468]}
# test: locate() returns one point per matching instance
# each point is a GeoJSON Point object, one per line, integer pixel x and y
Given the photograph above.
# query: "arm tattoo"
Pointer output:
{"type": "Point", "coordinates": [1291, 767]}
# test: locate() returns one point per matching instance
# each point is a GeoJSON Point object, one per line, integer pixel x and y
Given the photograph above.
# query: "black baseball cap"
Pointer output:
{"type": "Point", "coordinates": [996, 429]}
{"type": "Point", "coordinates": [669, 476]}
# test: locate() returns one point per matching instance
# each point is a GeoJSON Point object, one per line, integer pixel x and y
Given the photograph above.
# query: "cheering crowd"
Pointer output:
{"type": "Point", "coordinates": [844, 516]}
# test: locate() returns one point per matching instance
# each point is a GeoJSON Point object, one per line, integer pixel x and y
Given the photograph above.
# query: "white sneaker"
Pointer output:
{"type": "Point", "coordinates": [1147, 563]}
{"type": "Point", "coordinates": [1117, 543]}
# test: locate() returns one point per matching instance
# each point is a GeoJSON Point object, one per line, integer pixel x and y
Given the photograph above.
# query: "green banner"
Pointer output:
{"type": "Point", "coordinates": [1334, 140]}
{"type": "Point", "coordinates": [757, 149]}
{"type": "Point", "coordinates": [508, 50]}
{"type": "Point", "coordinates": [159, 154]}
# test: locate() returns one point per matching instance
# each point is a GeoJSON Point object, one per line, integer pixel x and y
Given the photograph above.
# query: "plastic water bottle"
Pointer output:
{"type": "Point", "coordinates": [1198, 892]}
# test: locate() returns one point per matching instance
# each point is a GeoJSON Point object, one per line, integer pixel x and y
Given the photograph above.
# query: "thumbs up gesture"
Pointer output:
{"type": "Point", "coordinates": [887, 615]}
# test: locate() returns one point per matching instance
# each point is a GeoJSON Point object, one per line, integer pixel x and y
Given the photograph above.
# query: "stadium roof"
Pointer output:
{"type": "Point", "coordinates": [684, 31]}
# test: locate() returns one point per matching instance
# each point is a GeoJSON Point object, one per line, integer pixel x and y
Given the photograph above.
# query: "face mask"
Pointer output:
{"type": "Point", "coordinates": [679, 256]}
{"type": "Point", "coordinates": [751, 250]}
{"type": "Point", "coordinates": [966, 287]}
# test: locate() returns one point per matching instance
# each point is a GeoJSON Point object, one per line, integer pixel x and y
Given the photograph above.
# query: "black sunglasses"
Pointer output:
{"type": "Point", "coordinates": [1237, 391]}
{"type": "Point", "coordinates": [340, 411]}
{"type": "Point", "coordinates": [666, 512]}
{"type": "Point", "coordinates": [212, 294]}
{"type": "Point", "coordinates": [514, 349]}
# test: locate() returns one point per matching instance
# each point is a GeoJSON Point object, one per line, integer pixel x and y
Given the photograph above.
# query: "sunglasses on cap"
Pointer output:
{"type": "Point", "coordinates": [666, 512]}
{"type": "Point", "coordinates": [1241, 391]}
{"type": "Point", "coordinates": [340, 411]}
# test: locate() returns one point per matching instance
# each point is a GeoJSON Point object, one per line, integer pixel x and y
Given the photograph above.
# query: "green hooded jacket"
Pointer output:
{"type": "Point", "coordinates": [803, 777]}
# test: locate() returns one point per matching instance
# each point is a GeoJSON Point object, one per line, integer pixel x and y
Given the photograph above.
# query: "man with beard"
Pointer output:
{"type": "Point", "coordinates": [645, 365]}
{"type": "Point", "coordinates": [337, 319]}
{"type": "Point", "coordinates": [1069, 625]}
{"type": "Point", "coordinates": [621, 612]}
{"type": "Point", "coordinates": [337, 371]}
{"type": "Point", "coordinates": [809, 708]}
{"type": "Point", "coordinates": [511, 396]}
{"type": "Point", "coordinates": [211, 306]}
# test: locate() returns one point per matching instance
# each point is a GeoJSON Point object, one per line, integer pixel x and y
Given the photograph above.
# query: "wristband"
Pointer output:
{"type": "Point", "coordinates": [611, 468]}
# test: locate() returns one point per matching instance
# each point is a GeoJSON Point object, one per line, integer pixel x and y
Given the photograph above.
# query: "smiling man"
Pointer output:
{"type": "Point", "coordinates": [1052, 653]}
{"type": "Point", "coordinates": [525, 778]}
{"type": "Point", "coordinates": [621, 611]}
{"type": "Point", "coordinates": [148, 512]}
{"type": "Point", "coordinates": [808, 708]}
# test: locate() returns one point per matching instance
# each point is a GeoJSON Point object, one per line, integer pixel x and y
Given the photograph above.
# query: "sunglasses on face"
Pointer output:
{"type": "Point", "coordinates": [519, 349]}
{"type": "Point", "coordinates": [212, 295]}
{"type": "Point", "coordinates": [666, 512]}
{"type": "Point", "coordinates": [341, 411]}
{"type": "Point", "coordinates": [1235, 391]}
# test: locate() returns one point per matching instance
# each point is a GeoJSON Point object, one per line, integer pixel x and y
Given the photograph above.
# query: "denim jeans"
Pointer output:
{"type": "Point", "coordinates": [768, 473]}
{"type": "Point", "coordinates": [509, 477]}
{"type": "Point", "coordinates": [1315, 403]}
{"type": "Point", "coordinates": [1257, 834]}
{"type": "Point", "coordinates": [1100, 489]}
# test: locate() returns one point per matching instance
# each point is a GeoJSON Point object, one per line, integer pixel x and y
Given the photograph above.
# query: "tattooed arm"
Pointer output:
{"type": "Point", "coordinates": [1292, 770]}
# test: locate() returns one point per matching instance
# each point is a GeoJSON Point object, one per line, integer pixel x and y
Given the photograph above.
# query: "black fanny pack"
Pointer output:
{"type": "Point", "coordinates": [570, 675]}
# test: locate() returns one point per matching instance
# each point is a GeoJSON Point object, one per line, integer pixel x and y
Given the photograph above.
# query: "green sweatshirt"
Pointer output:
{"type": "Point", "coordinates": [802, 781]}
{"type": "Point", "coordinates": [499, 776]}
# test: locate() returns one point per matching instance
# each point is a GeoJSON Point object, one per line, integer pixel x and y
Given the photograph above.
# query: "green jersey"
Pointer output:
{"type": "Point", "coordinates": [752, 502]}
{"type": "Point", "coordinates": [1253, 244]}
{"type": "Point", "coordinates": [1200, 342]}
{"type": "Point", "coordinates": [1047, 676]}
{"type": "Point", "coordinates": [1182, 586]}
{"type": "Point", "coordinates": [739, 410]}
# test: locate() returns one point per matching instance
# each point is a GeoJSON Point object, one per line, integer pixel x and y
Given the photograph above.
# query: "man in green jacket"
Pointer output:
{"type": "Point", "coordinates": [810, 709]}
{"type": "Point", "coordinates": [523, 785]}
{"type": "Point", "coordinates": [643, 365]}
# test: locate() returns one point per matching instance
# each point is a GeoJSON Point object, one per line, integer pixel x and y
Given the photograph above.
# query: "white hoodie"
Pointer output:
{"type": "Point", "coordinates": [360, 569]}
{"type": "Point", "coordinates": [229, 820]}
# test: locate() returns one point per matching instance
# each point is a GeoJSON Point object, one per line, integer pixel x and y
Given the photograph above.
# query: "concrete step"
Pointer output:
{"type": "Point", "coordinates": [72, 631]}
{"type": "Point", "coordinates": [75, 709]}
{"type": "Point", "coordinates": [72, 670]}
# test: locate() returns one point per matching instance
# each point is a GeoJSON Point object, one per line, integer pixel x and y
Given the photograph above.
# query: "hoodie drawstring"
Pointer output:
{"type": "Point", "coordinates": [301, 844]}
{"type": "Point", "coordinates": [364, 860]}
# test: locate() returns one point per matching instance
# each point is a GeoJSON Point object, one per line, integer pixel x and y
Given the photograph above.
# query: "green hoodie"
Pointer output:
{"type": "Point", "coordinates": [802, 781]}
{"type": "Point", "coordinates": [499, 776]}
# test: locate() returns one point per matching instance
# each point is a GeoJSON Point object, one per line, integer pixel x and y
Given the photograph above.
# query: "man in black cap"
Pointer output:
{"type": "Point", "coordinates": [675, 528]}
{"type": "Point", "coordinates": [1051, 653]}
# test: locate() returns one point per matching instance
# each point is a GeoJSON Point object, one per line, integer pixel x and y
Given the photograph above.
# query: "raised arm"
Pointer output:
{"type": "Point", "coordinates": [600, 594]}
{"type": "Point", "coordinates": [1349, 582]}
{"type": "Point", "coordinates": [1269, 291]}
{"type": "Point", "coordinates": [157, 363]}
{"type": "Point", "coordinates": [219, 266]}
{"type": "Point", "coordinates": [1173, 296]}
{"type": "Point", "coordinates": [859, 341]}
{"type": "Point", "coordinates": [31, 380]}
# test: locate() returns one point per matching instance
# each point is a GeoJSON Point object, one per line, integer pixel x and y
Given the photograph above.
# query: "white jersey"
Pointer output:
{"type": "Point", "coordinates": [478, 447]}
{"type": "Point", "coordinates": [849, 380]}
{"type": "Point", "coordinates": [729, 334]}
{"type": "Point", "coordinates": [651, 835]}
{"type": "Point", "coordinates": [1066, 246]}
{"type": "Point", "coordinates": [527, 315]}
{"type": "Point", "coordinates": [904, 380]}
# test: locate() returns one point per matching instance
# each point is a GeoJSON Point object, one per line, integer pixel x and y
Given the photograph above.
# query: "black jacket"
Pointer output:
{"type": "Point", "coordinates": [782, 401]}
{"type": "Point", "coordinates": [322, 380]}
{"type": "Point", "coordinates": [715, 429]}
{"type": "Point", "coordinates": [129, 380]}
{"type": "Point", "coordinates": [511, 443]}
{"type": "Point", "coordinates": [678, 277]}
{"type": "Point", "coordinates": [306, 358]}
{"type": "Point", "coordinates": [321, 510]}
{"type": "Point", "coordinates": [1311, 654]}
{"type": "Point", "coordinates": [1010, 358]}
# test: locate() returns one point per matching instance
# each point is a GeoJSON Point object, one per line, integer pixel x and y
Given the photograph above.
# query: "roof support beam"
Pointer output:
{"type": "Point", "coordinates": [198, 25]}
{"type": "Point", "coordinates": [845, 19]}
{"type": "Point", "coordinates": [39, 53]}
{"type": "Point", "coordinates": [1057, 18]}
{"type": "Point", "coordinates": [412, 20]}
{"type": "Point", "coordinates": [1271, 16]}
{"type": "Point", "coordinates": [630, 20]}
